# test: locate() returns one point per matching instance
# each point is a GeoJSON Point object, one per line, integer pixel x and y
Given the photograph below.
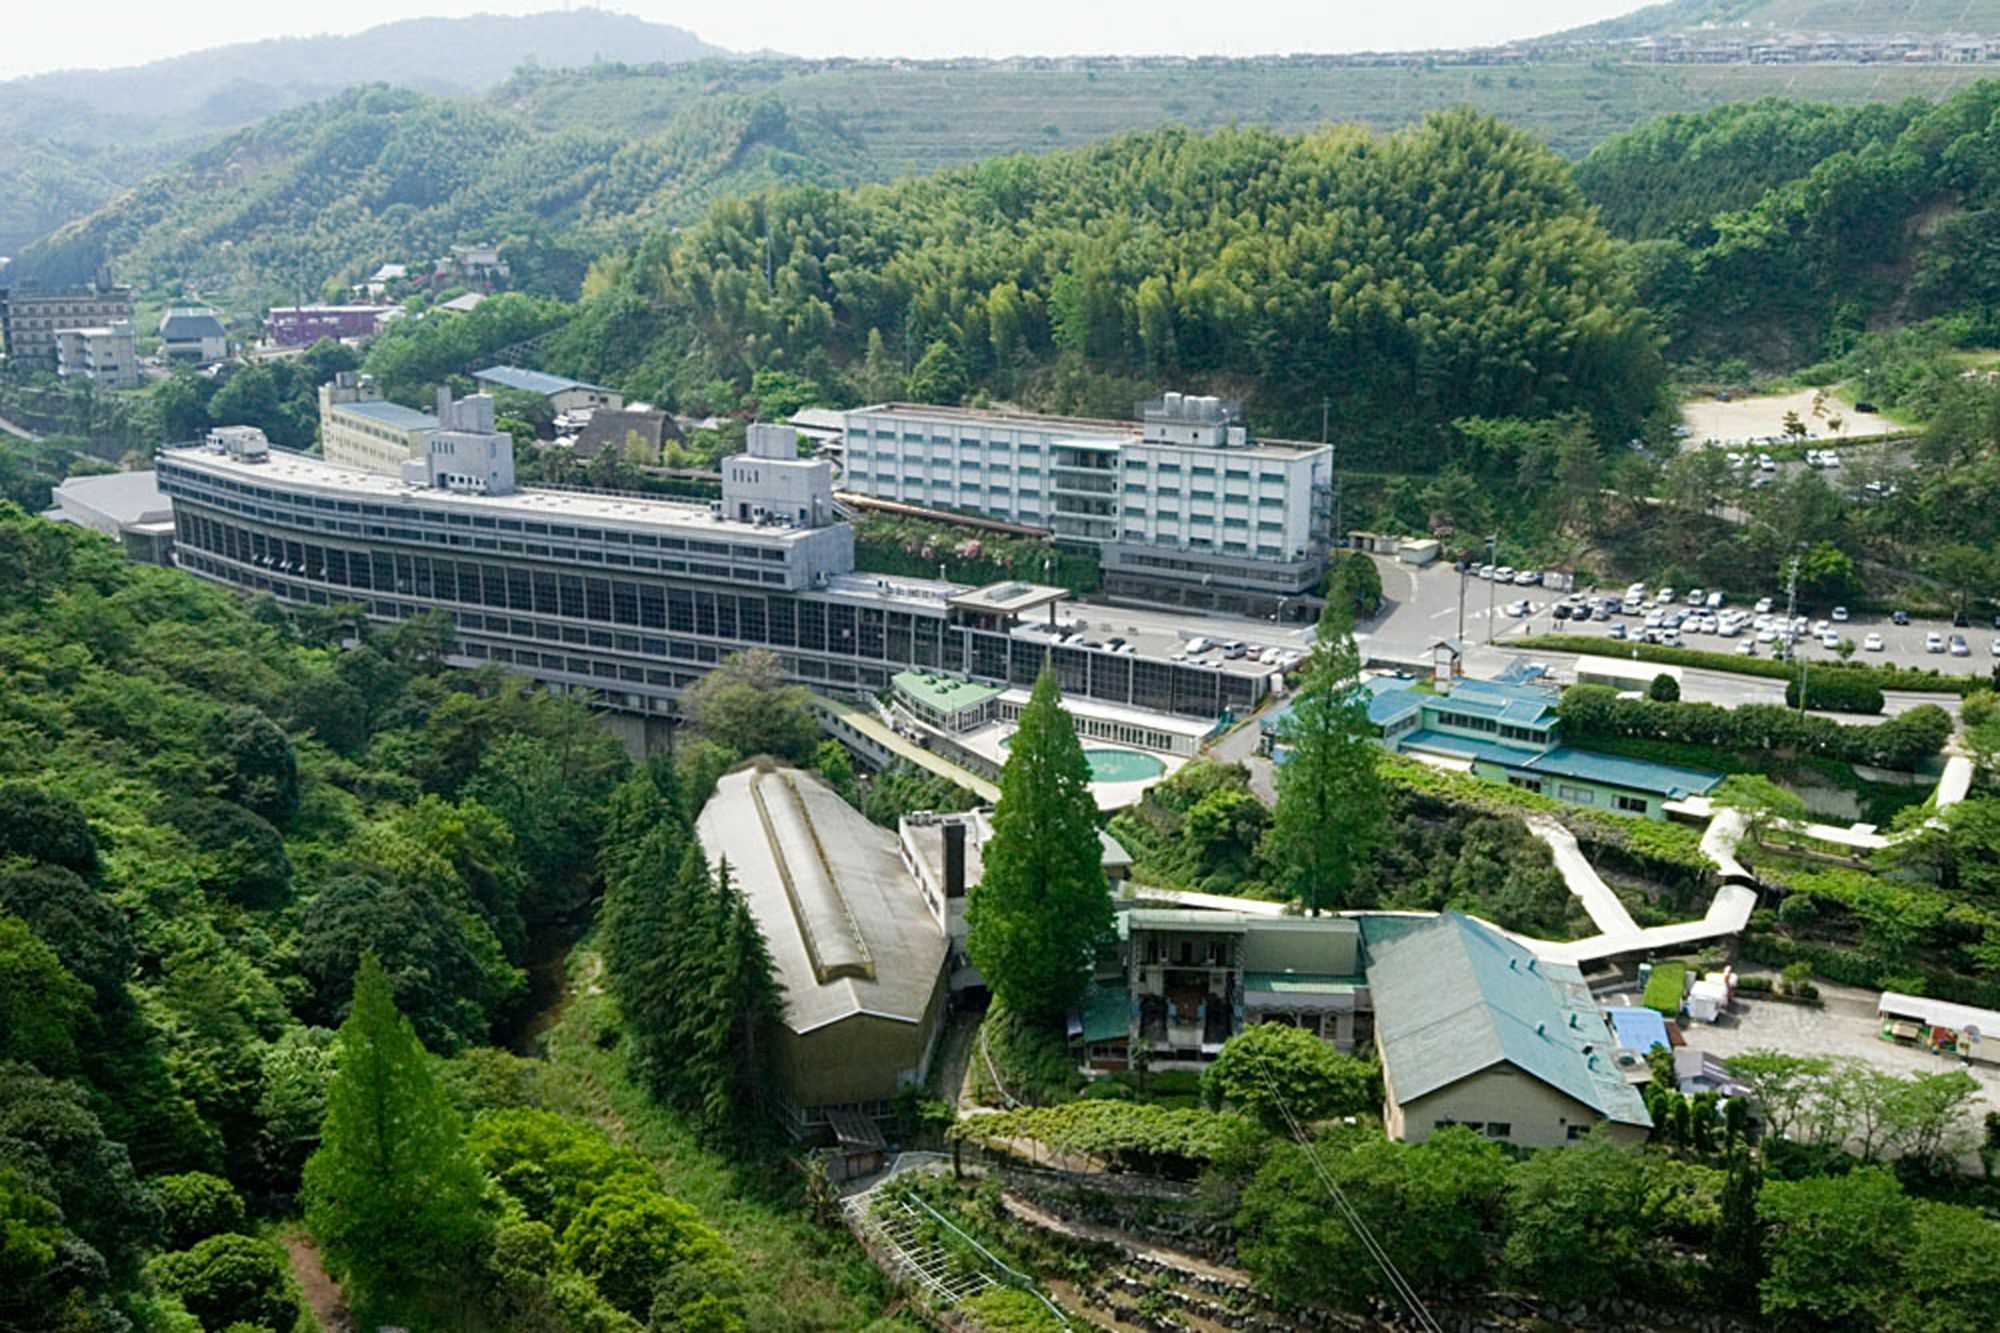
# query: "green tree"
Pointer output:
{"type": "Point", "coordinates": [254, 763]}
{"type": "Point", "coordinates": [1949, 1283]}
{"type": "Point", "coordinates": [1576, 1221]}
{"type": "Point", "coordinates": [229, 1280]}
{"type": "Point", "coordinates": [1331, 806]}
{"type": "Point", "coordinates": [392, 1194]}
{"type": "Point", "coordinates": [1763, 803]}
{"type": "Point", "coordinates": [1664, 689]}
{"type": "Point", "coordinates": [194, 1206]}
{"type": "Point", "coordinates": [745, 704]}
{"type": "Point", "coordinates": [37, 1277]}
{"type": "Point", "coordinates": [1835, 1246]}
{"type": "Point", "coordinates": [940, 375]}
{"type": "Point", "coordinates": [1041, 906]}
{"type": "Point", "coordinates": [41, 1005]}
{"type": "Point", "coordinates": [1432, 1207]}
{"type": "Point", "coordinates": [41, 826]}
{"type": "Point", "coordinates": [1271, 1069]}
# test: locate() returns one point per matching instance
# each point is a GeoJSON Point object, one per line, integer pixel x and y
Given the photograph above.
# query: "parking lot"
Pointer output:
{"type": "Point", "coordinates": [1903, 645]}
{"type": "Point", "coordinates": [1436, 591]}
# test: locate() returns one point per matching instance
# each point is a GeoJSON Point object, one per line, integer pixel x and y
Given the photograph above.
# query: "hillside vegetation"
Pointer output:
{"type": "Point", "coordinates": [1444, 270]}
{"type": "Point", "coordinates": [565, 136]}
{"type": "Point", "coordinates": [1779, 232]}
{"type": "Point", "coordinates": [71, 141]}
{"type": "Point", "coordinates": [321, 194]}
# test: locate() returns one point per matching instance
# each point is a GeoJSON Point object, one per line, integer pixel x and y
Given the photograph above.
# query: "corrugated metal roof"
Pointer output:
{"type": "Point", "coordinates": [1453, 998]}
{"type": "Point", "coordinates": [533, 381]}
{"type": "Point", "coordinates": [848, 929]}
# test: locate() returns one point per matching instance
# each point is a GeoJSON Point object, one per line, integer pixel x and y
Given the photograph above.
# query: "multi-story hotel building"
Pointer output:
{"type": "Point", "coordinates": [635, 598]}
{"type": "Point", "coordinates": [1180, 507]}
{"type": "Point", "coordinates": [30, 318]}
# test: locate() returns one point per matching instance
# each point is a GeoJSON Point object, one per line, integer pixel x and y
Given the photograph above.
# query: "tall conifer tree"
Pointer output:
{"type": "Point", "coordinates": [1042, 905]}
{"type": "Point", "coordinates": [1331, 805]}
{"type": "Point", "coordinates": [391, 1194]}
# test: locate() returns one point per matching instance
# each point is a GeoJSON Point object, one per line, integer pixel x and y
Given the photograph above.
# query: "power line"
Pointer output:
{"type": "Point", "coordinates": [1406, 1293]}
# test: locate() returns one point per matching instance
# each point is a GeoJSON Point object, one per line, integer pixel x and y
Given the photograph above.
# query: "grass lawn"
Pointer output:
{"type": "Point", "coordinates": [800, 1276]}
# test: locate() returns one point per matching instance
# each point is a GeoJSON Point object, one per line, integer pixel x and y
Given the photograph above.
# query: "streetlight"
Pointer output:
{"type": "Point", "coordinates": [1493, 558]}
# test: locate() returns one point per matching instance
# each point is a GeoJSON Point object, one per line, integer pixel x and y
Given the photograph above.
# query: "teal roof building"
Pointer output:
{"type": "Point", "coordinates": [1475, 1030]}
{"type": "Point", "coordinates": [1511, 732]}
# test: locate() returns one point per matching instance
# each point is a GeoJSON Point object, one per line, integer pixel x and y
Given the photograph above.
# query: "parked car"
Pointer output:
{"type": "Point", "coordinates": [1764, 605]}
{"type": "Point", "coordinates": [1959, 647]}
{"type": "Point", "coordinates": [1696, 596]}
{"type": "Point", "coordinates": [1960, 620]}
{"type": "Point", "coordinates": [1715, 601]}
{"type": "Point", "coordinates": [1486, 572]}
{"type": "Point", "coordinates": [1900, 617]}
{"type": "Point", "coordinates": [1617, 631]}
{"type": "Point", "coordinates": [1528, 578]}
{"type": "Point", "coordinates": [1840, 613]}
{"type": "Point", "coordinates": [1196, 647]}
{"type": "Point", "coordinates": [1933, 642]}
{"type": "Point", "coordinates": [1518, 608]}
{"type": "Point", "coordinates": [1829, 641]}
{"type": "Point", "coordinates": [1996, 647]}
{"type": "Point", "coordinates": [1663, 597]}
{"type": "Point", "coordinates": [1562, 612]}
{"type": "Point", "coordinates": [1873, 643]}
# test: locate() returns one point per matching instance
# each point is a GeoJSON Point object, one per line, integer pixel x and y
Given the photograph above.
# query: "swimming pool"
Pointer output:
{"type": "Point", "coordinates": [1123, 765]}
{"type": "Point", "coordinates": [1110, 765]}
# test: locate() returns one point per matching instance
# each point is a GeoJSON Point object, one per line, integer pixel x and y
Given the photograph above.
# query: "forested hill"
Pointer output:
{"type": "Point", "coordinates": [1778, 231]}
{"type": "Point", "coordinates": [1445, 270]}
{"type": "Point", "coordinates": [320, 195]}
{"type": "Point", "coordinates": [71, 140]}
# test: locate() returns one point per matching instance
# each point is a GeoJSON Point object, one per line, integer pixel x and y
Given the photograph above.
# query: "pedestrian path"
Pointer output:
{"type": "Point", "coordinates": [1606, 910]}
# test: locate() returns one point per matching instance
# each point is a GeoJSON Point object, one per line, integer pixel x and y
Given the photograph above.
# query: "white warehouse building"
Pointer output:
{"type": "Point", "coordinates": [1180, 507]}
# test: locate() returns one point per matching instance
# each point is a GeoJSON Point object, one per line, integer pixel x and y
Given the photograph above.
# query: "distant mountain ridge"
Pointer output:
{"type": "Point", "coordinates": [71, 140]}
{"type": "Point", "coordinates": [1915, 17]}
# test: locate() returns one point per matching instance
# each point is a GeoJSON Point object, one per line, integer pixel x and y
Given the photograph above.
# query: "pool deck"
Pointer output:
{"type": "Point", "coordinates": [990, 743]}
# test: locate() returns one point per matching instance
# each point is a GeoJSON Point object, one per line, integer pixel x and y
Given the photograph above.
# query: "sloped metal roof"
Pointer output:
{"type": "Point", "coordinates": [1454, 998]}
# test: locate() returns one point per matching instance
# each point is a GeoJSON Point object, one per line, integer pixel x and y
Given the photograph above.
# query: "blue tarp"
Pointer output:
{"type": "Point", "coordinates": [1639, 1029]}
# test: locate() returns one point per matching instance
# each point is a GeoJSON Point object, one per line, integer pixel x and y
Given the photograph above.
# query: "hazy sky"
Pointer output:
{"type": "Point", "coordinates": [39, 35]}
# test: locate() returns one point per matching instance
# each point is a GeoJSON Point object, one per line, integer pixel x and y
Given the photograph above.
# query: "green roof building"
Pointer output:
{"type": "Point", "coordinates": [1474, 1030]}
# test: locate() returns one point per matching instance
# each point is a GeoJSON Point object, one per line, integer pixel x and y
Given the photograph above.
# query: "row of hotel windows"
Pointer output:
{"type": "Point", "coordinates": [568, 553]}
{"type": "Point", "coordinates": [781, 621]}
{"type": "Point", "coordinates": [194, 486]}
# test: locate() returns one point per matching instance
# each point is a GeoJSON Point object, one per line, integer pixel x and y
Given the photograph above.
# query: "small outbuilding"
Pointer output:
{"type": "Point", "coordinates": [1940, 1026]}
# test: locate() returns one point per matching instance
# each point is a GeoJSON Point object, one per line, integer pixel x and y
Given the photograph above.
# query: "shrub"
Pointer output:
{"type": "Point", "coordinates": [1901, 742]}
{"type": "Point", "coordinates": [1313, 1079]}
{"type": "Point", "coordinates": [1664, 689]}
{"type": "Point", "coordinates": [1836, 691]}
{"type": "Point", "coordinates": [232, 1279]}
{"type": "Point", "coordinates": [195, 1206]}
{"type": "Point", "coordinates": [1886, 677]}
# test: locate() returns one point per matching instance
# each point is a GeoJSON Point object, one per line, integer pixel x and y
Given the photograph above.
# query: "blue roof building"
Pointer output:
{"type": "Point", "coordinates": [563, 393]}
{"type": "Point", "coordinates": [1638, 1028]}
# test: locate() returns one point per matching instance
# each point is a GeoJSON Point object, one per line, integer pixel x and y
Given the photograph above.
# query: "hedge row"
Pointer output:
{"type": "Point", "coordinates": [1836, 691]}
{"type": "Point", "coordinates": [1882, 677]}
{"type": "Point", "coordinates": [1854, 967]}
{"type": "Point", "coordinates": [1902, 742]}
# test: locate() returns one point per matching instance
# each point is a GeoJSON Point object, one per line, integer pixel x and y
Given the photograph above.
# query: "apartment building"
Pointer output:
{"type": "Point", "coordinates": [30, 318]}
{"type": "Point", "coordinates": [1181, 506]}
{"type": "Point", "coordinates": [107, 355]}
{"type": "Point", "coordinates": [360, 428]}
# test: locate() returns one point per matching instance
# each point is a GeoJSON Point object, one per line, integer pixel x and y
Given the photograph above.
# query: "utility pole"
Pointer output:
{"type": "Point", "coordinates": [1791, 616]}
{"type": "Point", "coordinates": [1464, 567]}
{"type": "Point", "coordinates": [1493, 558]}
